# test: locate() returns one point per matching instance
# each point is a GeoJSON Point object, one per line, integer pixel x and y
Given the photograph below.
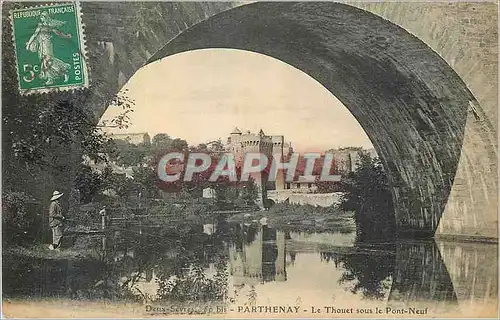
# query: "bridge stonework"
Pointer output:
{"type": "Point", "coordinates": [465, 35]}
{"type": "Point", "coordinates": [425, 93]}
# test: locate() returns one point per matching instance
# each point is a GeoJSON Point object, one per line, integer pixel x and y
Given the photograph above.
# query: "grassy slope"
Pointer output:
{"type": "Point", "coordinates": [305, 218]}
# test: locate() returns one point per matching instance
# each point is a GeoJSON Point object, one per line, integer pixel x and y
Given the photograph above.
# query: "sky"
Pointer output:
{"type": "Point", "coordinates": [201, 95]}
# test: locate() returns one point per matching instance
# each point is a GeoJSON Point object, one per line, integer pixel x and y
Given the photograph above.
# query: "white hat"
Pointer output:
{"type": "Point", "coordinates": [56, 195]}
{"type": "Point", "coordinates": [263, 221]}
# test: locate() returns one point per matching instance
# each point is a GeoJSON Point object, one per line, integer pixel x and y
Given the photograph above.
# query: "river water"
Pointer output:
{"type": "Point", "coordinates": [254, 269]}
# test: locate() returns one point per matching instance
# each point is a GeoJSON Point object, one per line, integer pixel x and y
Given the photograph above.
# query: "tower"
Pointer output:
{"type": "Point", "coordinates": [242, 143]}
{"type": "Point", "coordinates": [235, 146]}
{"type": "Point", "coordinates": [278, 144]}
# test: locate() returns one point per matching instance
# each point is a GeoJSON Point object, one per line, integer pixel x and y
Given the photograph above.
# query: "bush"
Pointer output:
{"type": "Point", "coordinates": [22, 218]}
{"type": "Point", "coordinates": [367, 193]}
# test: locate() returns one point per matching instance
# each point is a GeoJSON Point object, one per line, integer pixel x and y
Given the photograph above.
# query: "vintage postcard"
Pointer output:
{"type": "Point", "coordinates": [250, 159]}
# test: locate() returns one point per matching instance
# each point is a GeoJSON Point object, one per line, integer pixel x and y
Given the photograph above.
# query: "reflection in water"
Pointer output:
{"type": "Point", "coordinates": [368, 272]}
{"type": "Point", "coordinates": [473, 270]}
{"type": "Point", "coordinates": [193, 267]}
{"type": "Point", "coordinates": [421, 275]}
{"type": "Point", "coordinates": [262, 259]}
{"type": "Point", "coordinates": [34, 277]}
{"type": "Point", "coordinates": [249, 264]}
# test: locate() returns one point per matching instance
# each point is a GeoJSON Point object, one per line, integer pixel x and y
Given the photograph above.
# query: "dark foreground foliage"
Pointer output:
{"type": "Point", "coordinates": [367, 193]}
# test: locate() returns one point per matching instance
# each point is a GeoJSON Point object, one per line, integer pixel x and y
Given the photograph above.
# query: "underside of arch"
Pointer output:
{"type": "Point", "coordinates": [409, 101]}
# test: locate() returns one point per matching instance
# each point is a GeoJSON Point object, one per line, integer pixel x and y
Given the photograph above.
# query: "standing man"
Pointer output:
{"type": "Point", "coordinates": [56, 220]}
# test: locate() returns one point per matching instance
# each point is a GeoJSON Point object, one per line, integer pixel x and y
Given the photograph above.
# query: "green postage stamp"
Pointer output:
{"type": "Point", "coordinates": [50, 48]}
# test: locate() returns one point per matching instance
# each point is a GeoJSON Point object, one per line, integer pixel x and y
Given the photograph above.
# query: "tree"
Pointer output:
{"type": "Point", "coordinates": [162, 144]}
{"type": "Point", "coordinates": [44, 136]}
{"type": "Point", "coordinates": [121, 185]}
{"type": "Point", "coordinates": [327, 186]}
{"type": "Point", "coordinates": [128, 154]}
{"type": "Point", "coordinates": [367, 193]}
{"type": "Point", "coordinates": [178, 145]}
{"type": "Point", "coordinates": [249, 192]}
{"type": "Point", "coordinates": [89, 183]}
{"type": "Point", "coordinates": [161, 140]}
{"type": "Point", "coordinates": [147, 179]}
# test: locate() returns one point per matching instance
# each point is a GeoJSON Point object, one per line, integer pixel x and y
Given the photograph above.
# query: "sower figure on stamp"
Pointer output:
{"type": "Point", "coordinates": [51, 67]}
{"type": "Point", "coordinates": [56, 220]}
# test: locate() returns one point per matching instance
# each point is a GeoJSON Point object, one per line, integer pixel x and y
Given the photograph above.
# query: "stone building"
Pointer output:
{"type": "Point", "coordinates": [240, 144]}
{"type": "Point", "coordinates": [302, 185]}
{"type": "Point", "coordinates": [133, 138]}
{"type": "Point", "coordinates": [346, 159]}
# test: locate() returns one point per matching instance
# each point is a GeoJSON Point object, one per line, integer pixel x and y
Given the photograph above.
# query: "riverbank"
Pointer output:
{"type": "Point", "coordinates": [42, 251]}
{"type": "Point", "coordinates": [301, 218]}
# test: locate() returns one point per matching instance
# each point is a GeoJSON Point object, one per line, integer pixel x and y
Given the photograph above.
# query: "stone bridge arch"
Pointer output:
{"type": "Point", "coordinates": [436, 137]}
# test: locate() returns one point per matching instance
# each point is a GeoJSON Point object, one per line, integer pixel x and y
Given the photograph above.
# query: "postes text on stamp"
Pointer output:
{"type": "Point", "coordinates": [50, 48]}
